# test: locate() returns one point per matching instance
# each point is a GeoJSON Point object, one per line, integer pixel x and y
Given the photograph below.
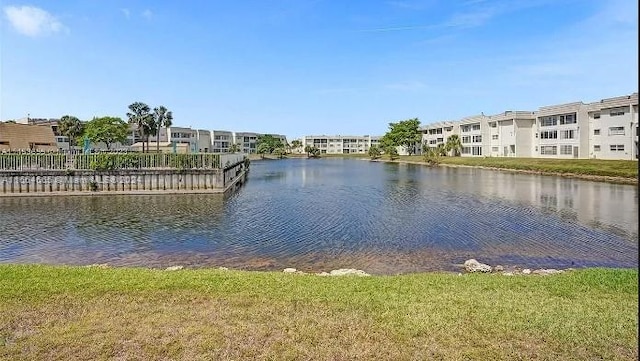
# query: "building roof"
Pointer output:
{"type": "Point", "coordinates": [26, 137]}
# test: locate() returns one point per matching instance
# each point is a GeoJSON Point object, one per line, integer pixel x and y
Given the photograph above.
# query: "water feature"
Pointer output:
{"type": "Point", "coordinates": [322, 214]}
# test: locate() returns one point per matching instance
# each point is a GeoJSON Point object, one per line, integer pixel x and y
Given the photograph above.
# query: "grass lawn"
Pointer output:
{"type": "Point", "coordinates": [598, 167]}
{"type": "Point", "coordinates": [82, 313]}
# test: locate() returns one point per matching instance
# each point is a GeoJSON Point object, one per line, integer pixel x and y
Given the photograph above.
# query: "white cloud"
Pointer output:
{"type": "Point", "coordinates": [126, 13]}
{"type": "Point", "coordinates": [147, 14]}
{"type": "Point", "coordinates": [33, 21]}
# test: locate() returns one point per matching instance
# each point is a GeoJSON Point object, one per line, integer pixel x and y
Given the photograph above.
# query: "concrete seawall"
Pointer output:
{"type": "Point", "coordinates": [130, 181]}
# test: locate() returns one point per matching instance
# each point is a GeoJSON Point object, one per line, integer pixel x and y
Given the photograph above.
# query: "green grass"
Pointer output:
{"type": "Point", "coordinates": [594, 167]}
{"type": "Point", "coordinates": [67, 313]}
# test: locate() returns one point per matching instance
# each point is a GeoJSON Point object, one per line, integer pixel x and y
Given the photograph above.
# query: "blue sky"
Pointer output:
{"type": "Point", "coordinates": [301, 67]}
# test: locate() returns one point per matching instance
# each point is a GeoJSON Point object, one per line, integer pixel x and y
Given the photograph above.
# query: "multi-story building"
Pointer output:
{"type": "Point", "coordinates": [248, 141]}
{"type": "Point", "coordinates": [607, 129]}
{"type": "Point", "coordinates": [221, 141]}
{"type": "Point", "coordinates": [613, 128]}
{"type": "Point", "coordinates": [510, 134]}
{"type": "Point", "coordinates": [341, 144]}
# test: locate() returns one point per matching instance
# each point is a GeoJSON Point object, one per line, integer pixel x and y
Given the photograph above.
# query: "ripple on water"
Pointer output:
{"type": "Point", "coordinates": [326, 214]}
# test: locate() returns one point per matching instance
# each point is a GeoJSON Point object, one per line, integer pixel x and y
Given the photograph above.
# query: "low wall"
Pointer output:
{"type": "Point", "coordinates": [50, 182]}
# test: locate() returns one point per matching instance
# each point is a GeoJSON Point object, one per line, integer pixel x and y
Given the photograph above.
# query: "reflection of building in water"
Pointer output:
{"type": "Point", "coordinates": [611, 205]}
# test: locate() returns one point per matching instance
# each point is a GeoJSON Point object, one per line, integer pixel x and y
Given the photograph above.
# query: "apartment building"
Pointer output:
{"type": "Point", "coordinates": [607, 129]}
{"type": "Point", "coordinates": [248, 141]}
{"type": "Point", "coordinates": [221, 141]}
{"type": "Point", "coordinates": [438, 133]}
{"type": "Point", "coordinates": [340, 144]}
{"type": "Point", "coordinates": [613, 128]}
{"type": "Point", "coordinates": [510, 134]}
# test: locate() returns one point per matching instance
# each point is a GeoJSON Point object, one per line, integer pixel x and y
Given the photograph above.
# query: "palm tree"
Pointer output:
{"type": "Point", "coordinates": [71, 127]}
{"type": "Point", "coordinates": [295, 144]}
{"type": "Point", "coordinates": [454, 145]}
{"type": "Point", "coordinates": [234, 148]}
{"type": "Point", "coordinates": [141, 118]}
{"type": "Point", "coordinates": [162, 118]}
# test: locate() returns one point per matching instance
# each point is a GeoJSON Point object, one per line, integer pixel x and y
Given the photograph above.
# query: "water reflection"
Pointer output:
{"type": "Point", "coordinates": [323, 214]}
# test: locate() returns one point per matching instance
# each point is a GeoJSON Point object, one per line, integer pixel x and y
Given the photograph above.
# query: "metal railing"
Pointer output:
{"type": "Point", "coordinates": [115, 161]}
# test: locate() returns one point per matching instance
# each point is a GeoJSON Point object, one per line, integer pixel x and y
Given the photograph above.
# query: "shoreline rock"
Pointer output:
{"type": "Point", "coordinates": [473, 266]}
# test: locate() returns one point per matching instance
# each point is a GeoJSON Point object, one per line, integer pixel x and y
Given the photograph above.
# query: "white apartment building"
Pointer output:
{"type": "Point", "coordinates": [607, 129]}
{"type": "Point", "coordinates": [439, 133]}
{"type": "Point", "coordinates": [248, 141]}
{"type": "Point", "coordinates": [510, 134]}
{"type": "Point", "coordinates": [221, 141]}
{"type": "Point", "coordinates": [613, 128]}
{"type": "Point", "coordinates": [341, 144]}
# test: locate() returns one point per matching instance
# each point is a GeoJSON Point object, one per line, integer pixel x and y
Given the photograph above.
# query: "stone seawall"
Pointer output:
{"type": "Point", "coordinates": [78, 182]}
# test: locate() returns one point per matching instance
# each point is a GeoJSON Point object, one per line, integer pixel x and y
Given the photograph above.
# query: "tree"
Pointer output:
{"type": "Point", "coordinates": [141, 118]}
{"type": "Point", "coordinates": [262, 149]}
{"type": "Point", "coordinates": [405, 133]}
{"type": "Point", "coordinates": [454, 145]}
{"type": "Point", "coordinates": [108, 130]}
{"type": "Point", "coordinates": [389, 146]}
{"type": "Point", "coordinates": [269, 143]}
{"type": "Point", "coordinates": [162, 118]}
{"type": "Point", "coordinates": [71, 127]}
{"type": "Point", "coordinates": [308, 149]}
{"type": "Point", "coordinates": [296, 144]}
{"type": "Point", "coordinates": [441, 149]}
{"type": "Point", "coordinates": [234, 148]}
{"type": "Point", "coordinates": [431, 156]}
{"type": "Point", "coordinates": [374, 152]}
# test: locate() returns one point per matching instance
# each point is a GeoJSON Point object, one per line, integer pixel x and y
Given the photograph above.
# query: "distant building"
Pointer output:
{"type": "Point", "coordinates": [341, 144]}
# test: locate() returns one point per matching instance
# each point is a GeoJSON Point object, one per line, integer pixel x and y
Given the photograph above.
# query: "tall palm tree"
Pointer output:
{"type": "Point", "coordinates": [141, 118]}
{"type": "Point", "coordinates": [162, 118]}
{"type": "Point", "coordinates": [70, 127]}
{"type": "Point", "coordinates": [454, 145]}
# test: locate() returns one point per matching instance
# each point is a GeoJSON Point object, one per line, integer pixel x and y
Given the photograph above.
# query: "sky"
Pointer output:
{"type": "Point", "coordinates": [312, 67]}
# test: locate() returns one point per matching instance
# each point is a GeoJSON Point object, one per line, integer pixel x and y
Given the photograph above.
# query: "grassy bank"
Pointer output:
{"type": "Point", "coordinates": [138, 314]}
{"type": "Point", "coordinates": [589, 167]}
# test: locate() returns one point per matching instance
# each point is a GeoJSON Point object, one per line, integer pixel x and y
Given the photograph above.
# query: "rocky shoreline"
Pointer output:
{"type": "Point", "coordinates": [469, 266]}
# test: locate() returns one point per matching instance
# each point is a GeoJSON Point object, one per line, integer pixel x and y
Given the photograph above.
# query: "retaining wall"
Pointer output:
{"type": "Point", "coordinates": [50, 182]}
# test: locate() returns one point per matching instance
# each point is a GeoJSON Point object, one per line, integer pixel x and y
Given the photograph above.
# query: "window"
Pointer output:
{"type": "Point", "coordinates": [616, 131]}
{"type": "Point", "coordinates": [466, 150]}
{"type": "Point", "coordinates": [549, 134]}
{"type": "Point", "coordinates": [494, 137]}
{"type": "Point", "coordinates": [596, 115]}
{"type": "Point", "coordinates": [432, 141]}
{"type": "Point", "coordinates": [596, 132]}
{"type": "Point", "coordinates": [566, 149]}
{"type": "Point", "coordinates": [548, 121]}
{"type": "Point", "coordinates": [466, 139]}
{"type": "Point", "coordinates": [567, 134]}
{"type": "Point", "coordinates": [465, 128]}
{"type": "Point", "coordinates": [494, 149]}
{"type": "Point", "coordinates": [476, 139]}
{"type": "Point", "coordinates": [493, 124]}
{"type": "Point", "coordinates": [617, 147]}
{"type": "Point", "coordinates": [475, 127]}
{"type": "Point", "coordinates": [568, 118]}
{"type": "Point", "coordinates": [440, 140]}
{"type": "Point", "coordinates": [548, 150]}
{"type": "Point", "coordinates": [596, 148]}
{"type": "Point", "coordinates": [614, 112]}
{"type": "Point", "coordinates": [476, 150]}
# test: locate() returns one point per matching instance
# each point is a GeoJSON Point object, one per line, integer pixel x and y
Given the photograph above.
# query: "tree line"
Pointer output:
{"type": "Point", "coordinates": [110, 130]}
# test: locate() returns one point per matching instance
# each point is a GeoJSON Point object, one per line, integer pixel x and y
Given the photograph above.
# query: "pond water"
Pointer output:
{"type": "Point", "coordinates": [323, 214]}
